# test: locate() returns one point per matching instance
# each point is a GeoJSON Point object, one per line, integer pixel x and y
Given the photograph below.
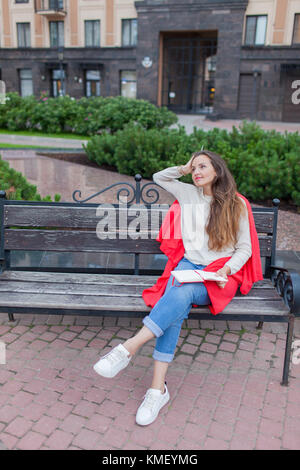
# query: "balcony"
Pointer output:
{"type": "Point", "coordinates": [50, 8]}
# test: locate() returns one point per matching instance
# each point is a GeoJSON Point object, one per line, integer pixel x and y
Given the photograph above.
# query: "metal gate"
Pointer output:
{"type": "Point", "coordinates": [189, 65]}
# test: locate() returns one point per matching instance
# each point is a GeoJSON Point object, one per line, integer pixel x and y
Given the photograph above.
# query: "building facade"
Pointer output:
{"type": "Point", "coordinates": [224, 58]}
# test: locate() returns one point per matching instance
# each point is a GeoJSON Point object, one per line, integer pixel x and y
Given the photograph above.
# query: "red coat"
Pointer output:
{"type": "Point", "coordinates": [172, 247]}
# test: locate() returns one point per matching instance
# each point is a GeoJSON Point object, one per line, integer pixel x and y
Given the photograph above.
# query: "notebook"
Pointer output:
{"type": "Point", "coordinates": [196, 275]}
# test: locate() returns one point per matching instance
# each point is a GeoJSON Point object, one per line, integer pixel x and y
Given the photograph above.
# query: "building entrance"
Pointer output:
{"type": "Point", "coordinates": [188, 71]}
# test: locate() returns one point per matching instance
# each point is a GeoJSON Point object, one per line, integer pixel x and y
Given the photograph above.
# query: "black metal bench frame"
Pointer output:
{"type": "Point", "coordinates": [49, 226]}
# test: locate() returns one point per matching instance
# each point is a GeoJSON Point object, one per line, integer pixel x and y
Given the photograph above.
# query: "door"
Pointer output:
{"type": "Point", "coordinates": [248, 98]}
{"type": "Point", "coordinates": [189, 65]}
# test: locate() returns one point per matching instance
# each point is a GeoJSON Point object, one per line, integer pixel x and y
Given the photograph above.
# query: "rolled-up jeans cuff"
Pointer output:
{"type": "Point", "coordinates": [162, 357]}
{"type": "Point", "coordinates": [156, 330]}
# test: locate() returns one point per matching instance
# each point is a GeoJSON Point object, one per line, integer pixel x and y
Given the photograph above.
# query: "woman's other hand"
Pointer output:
{"type": "Point", "coordinates": [224, 272]}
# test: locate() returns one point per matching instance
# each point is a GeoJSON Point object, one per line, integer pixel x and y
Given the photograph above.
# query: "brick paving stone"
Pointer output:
{"type": "Point", "coordinates": [59, 440]}
{"type": "Point", "coordinates": [212, 338]}
{"type": "Point", "coordinates": [267, 443]}
{"type": "Point", "coordinates": [215, 444]}
{"type": "Point", "coordinates": [169, 434]}
{"type": "Point", "coordinates": [59, 410]}
{"type": "Point", "coordinates": [220, 431]}
{"type": "Point", "coordinates": [8, 413]}
{"type": "Point", "coordinates": [194, 433]}
{"type": "Point", "coordinates": [209, 347]}
{"type": "Point", "coordinates": [8, 440]}
{"type": "Point", "coordinates": [45, 425]}
{"type": "Point", "coordinates": [86, 439]}
{"type": "Point", "coordinates": [33, 411]}
{"type": "Point", "coordinates": [234, 338]}
{"type": "Point", "coordinates": [31, 441]}
{"type": "Point", "coordinates": [18, 426]}
{"type": "Point", "coordinates": [226, 346]}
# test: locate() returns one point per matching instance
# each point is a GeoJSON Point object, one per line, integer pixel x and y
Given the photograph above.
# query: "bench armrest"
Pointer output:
{"type": "Point", "coordinates": [287, 283]}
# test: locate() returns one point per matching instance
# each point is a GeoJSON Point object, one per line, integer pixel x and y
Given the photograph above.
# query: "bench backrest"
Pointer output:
{"type": "Point", "coordinates": [105, 228]}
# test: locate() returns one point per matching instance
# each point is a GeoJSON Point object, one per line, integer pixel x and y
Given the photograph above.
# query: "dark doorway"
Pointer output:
{"type": "Point", "coordinates": [189, 66]}
{"type": "Point", "coordinates": [291, 94]}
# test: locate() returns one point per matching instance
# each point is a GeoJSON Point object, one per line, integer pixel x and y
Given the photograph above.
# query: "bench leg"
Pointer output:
{"type": "Point", "coordinates": [288, 347]}
{"type": "Point", "coordinates": [260, 325]}
{"type": "Point", "coordinates": [11, 317]}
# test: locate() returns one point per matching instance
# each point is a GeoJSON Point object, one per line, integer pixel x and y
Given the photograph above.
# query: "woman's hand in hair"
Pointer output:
{"type": "Point", "coordinates": [187, 168]}
{"type": "Point", "coordinates": [224, 272]}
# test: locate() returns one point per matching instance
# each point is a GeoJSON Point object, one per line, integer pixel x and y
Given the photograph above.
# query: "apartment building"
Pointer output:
{"type": "Point", "coordinates": [223, 58]}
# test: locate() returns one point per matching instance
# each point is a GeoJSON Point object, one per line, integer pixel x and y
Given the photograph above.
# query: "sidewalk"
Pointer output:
{"type": "Point", "coordinates": [224, 385]}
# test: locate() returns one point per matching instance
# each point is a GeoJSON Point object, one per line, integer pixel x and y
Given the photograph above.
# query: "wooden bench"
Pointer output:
{"type": "Point", "coordinates": [78, 230]}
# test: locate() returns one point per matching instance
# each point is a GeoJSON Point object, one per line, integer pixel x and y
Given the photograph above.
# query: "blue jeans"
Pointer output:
{"type": "Point", "coordinates": [166, 317]}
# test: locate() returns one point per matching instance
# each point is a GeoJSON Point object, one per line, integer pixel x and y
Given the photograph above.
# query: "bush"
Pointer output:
{"type": "Point", "coordinates": [17, 187]}
{"type": "Point", "coordinates": [86, 116]}
{"type": "Point", "coordinates": [265, 164]}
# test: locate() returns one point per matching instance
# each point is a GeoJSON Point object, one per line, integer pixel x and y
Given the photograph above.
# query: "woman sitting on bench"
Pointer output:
{"type": "Point", "coordinates": [214, 225]}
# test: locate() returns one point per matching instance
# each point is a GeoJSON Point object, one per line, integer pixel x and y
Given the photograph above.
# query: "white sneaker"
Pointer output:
{"type": "Point", "coordinates": [151, 406]}
{"type": "Point", "coordinates": [110, 364]}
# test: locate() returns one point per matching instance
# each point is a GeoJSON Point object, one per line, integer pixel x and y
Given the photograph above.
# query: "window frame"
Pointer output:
{"type": "Point", "coordinates": [93, 22]}
{"type": "Point", "coordinates": [255, 30]}
{"type": "Point", "coordinates": [61, 79]}
{"type": "Point", "coordinates": [296, 16]}
{"type": "Point", "coordinates": [87, 80]}
{"type": "Point", "coordinates": [25, 79]}
{"type": "Point", "coordinates": [130, 22]}
{"type": "Point", "coordinates": [128, 81]}
{"type": "Point", "coordinates": [19, 25]}
{"type": "Point", "coordinates": [57, 22]}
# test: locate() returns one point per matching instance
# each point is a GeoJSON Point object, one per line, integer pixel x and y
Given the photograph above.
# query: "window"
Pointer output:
{"type": "Point", "coordinates": [296, 34]}
{"type": "Point", "coordinates": [256, 27]}
{"type": "Point", "coordinates": [26, 86]}
{"type": "Point", "coordinates": [56, 4]}
{"type": "Point", "coordinates": [128, 83]}
{"type": "Point", "coordinates": [129, 32]}
{"type": "Point", "coordinates": [92, 83]}
{"type": "Point", "coordinates": [92, 33]}
{"type": "Point", "coordinates": [56, 33]}
{"type": "Point", "coordinates": [23, 32]}
{"type": "Point", "coordinates": [21, 1]}
{"type": "Point", "coordinates": [58, 82]}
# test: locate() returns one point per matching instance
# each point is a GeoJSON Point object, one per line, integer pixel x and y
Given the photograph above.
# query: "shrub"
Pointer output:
{"type": "Point", "coordinates": [86, 116]}
{"type": "Point", "coordinates": [265, 164]}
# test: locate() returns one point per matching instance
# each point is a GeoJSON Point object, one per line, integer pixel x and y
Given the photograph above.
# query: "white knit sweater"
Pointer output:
{"type": "Point", "coordinates": [195, 207]}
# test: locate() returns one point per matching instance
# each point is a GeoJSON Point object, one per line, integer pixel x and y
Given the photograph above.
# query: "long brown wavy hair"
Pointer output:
{"type": "Point", "coordinates": [226, 206]}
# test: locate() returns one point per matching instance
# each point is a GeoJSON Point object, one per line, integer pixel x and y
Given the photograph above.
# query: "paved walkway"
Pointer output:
{"type": "Point", "coordinates": [224, 384]}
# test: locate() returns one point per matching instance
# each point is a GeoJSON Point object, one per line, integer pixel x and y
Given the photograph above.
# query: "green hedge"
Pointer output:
{"type": "Point", "coordinates": [86, 116]}
{"type": "Point", "coordinates": [17, 187]}
{"type": "Point", "coordinates": [265, 164]}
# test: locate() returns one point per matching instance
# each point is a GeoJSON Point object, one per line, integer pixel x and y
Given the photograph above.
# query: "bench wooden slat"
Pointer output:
{"type": "Point", "coordinates": [98, 303]}
{"type": "Point", "coordinates": [74, 241]}
{"type": "Point", "coordinates": [105, 289]}
{"type": "Point", "coordinates": [87, 241]}
{"type": "Point", "coordinates": [26, 215]}
{"type": "Point", "coordinates": [86, 278]}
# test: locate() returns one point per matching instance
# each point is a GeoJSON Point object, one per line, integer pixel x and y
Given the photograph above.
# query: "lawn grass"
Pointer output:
{"type": "Point", "coordinates": [20, 146]}
{"type": "Point", "coordinates": [42, 134]}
